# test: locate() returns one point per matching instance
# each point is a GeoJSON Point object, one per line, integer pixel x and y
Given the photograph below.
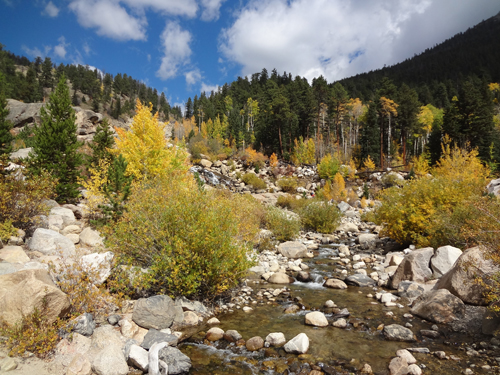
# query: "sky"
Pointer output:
{"type": "Point", "coordinates": [184, 47]}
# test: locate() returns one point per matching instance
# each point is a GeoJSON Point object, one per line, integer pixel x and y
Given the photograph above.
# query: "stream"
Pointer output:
{"type": "Point", "coordinates": [332, 350]}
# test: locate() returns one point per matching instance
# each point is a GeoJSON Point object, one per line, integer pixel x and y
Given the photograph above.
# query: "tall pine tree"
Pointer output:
{"type": "Point", "coordinates": [56, 145]}
{"type": "Point", "coordinates": [101, 144]}
{"type": "Point", "coordinates": [5, 126]}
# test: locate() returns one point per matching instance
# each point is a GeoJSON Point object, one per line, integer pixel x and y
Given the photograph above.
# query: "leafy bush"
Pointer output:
{"type": "Point", "coordinates": [22, 199]}
{"type": "Point", "coordinates": [254, 180]}
{"type": "Point", "coordinates": [334, 190]}
{"type": "Point", "coordinates": [290, 202]}
{"type": "Point", "coordinates": [7, 230]}
{"type": "Point", "coordinates": [420, 210]}
{"type": "Point", "coordinates": [304, 152]}
{"type": "Point", "coordinates": [320, 216]}
{"type": "Point", "coordinates": [186, 237]}
{"type": "Point", "coordinates": [328, 167]}
{"type": "Point", "coordinates": [253, 158]}
{"type": "Point", "coordinates": [392, 179]}
{"type": "Point", "coordinates": [288, 184]}
{"type": "Point", "coordinates": [284, 225]}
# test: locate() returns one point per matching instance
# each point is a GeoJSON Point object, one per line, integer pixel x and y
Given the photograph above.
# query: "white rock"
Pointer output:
{"type": "Point", "coordinates": [138, 357]}
{"type": "Point", "coordinates": [275, 339]}
{"type": "Point", "coordinates": [100, 263]}
{"type": "Point", "coordinates": [316, 318]}
{"type": "Point", "coordinates": [91, 238]}
{"type": "Point", "coordinates": [49, 242]}
{"type": "Point", "coordinates": [298, 345]}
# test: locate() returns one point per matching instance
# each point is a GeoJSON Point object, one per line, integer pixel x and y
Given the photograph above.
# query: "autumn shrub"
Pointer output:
{"type": "Point", "coordinates": [418, 212]}
{"type": "Point", "coordinates": [34, 334]}
{"type": "Point", "coordinates": [253, 180]}
{"type": "Point", "coordinates": [320, 216]}
{"type": "Point", "coordinates": [329, 167]}
{"type": "Point", "coordinates": [304, 152]}
{"type": "Point", "coordinates": [187, 238]}
{"type": "Point", "coordinates": [288, 184]}
{"type": "Point", "coordinates": [290, 202]}
{"type": "Point", "coordinates": [334, 190]}
{"type": "Point", "coordinates": [273, 161]}
{"type": "Point", "coordinates": [285, 225]}
{"type": "Point", "coordinates": [253, 158]}
{"type": "Point", "coordinates": [22, 198]}
{"type": "Point", "coordinates": [7, 230]}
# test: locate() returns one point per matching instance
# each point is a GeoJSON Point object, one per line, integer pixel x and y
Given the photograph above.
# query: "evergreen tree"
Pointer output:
{"type": "Point", "coordinates": [189, 108]}
{"type": "Point", "coordinates": [47, 79]}
{"type": "Point", "coordinates": [369, 135]}
{"type": "Point", "coordinates": [101, 144]}
{"type": "Point", "coordinates": [56, 145]}
{"type": "Point", "coordinates": [5, 126]}
{"type": "Point", "coordinates": [117, 190]}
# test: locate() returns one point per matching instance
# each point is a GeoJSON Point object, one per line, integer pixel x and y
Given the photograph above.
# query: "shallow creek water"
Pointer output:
{"type": "Point", "coordinates": [344, 349]}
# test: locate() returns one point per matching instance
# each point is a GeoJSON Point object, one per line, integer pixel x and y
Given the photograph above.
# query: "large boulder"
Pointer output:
{"type": "Point", "coordinates": [21, 113]}
{"type": "Point", "coordinates": [439, 306]}
{"type": "Point", "coordinates": [154, 336]}
{"type": "Point", "coordinates": [360, 280]}
{"type": "Point", "coordinates": [414, 267]}
{"type": "Point", "coordinates": [316, 319]}
{"type": "Point", "coordinates": [66, 214]}
{"type": "Point", "coordinates": [49, 242]}
{"type": "Point", "coordinates": [13, 254]}
{"type": "Point", "coordinates": [335, 284]}
{"type": "Point", "coordinates": [462, 279]}
{"type": "Point", "coordinates": [280, 278]}
{"type": "Point", "coordinates": [91, 238]}
{"type": "Point", "coordinates": [24, 291]}
{"type": "Point", "coordinates": [106, 352]}
{"type": "Point", "coordinates": [276, 339]}
{"type": "Point", "coordinates": [396, 332]}
{"type": "Point", "coordinates": [178, 362]}
{"type": "Point", "coordinates": [156, 312]}
{"type": "Point", "coordinates": [494, 187]}
{"type": "Point", "coordinates": [444, 258]}
{"type": "Point", "coordinates": [292, 249]}
{"type": "Point", "coordinates": [100, 263]}
{"type": "Point", "coordinates": [298, 345]}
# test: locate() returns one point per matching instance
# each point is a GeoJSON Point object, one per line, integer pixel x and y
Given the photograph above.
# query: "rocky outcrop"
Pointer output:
{"type": "Point", "coordinates": [439, 306]}
{"type": "Point", "coordinates": [156, 312]}
{"type": "Point", "coordinates": [414, 267]}
{"type": "Point", "coordinates": [462, 279]}
{"type": "Point", "coordinates": [444, 258]}
{"type": "Point", "coordinates": [24, 291]}
{"type": "Point", "coordinates": [49, 242]}
{"type": "Point", "coordinates": [292, 249]}
{"type": "Point", "coordinates": [21, 113]}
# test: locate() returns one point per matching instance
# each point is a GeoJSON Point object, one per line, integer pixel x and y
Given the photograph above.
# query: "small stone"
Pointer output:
{"type": "Point", "coordinates": [440, 354]}
{"type": "Point", "coordinates": [232, 336]}
{"type": "Point", "coordinates": [367, 369]}
{"type": "Point", "coordinates": [316, 318]}
{"type": "Point", "coordinates": [276, 339]}
{"type": "Point", "coordinates": [255, 343]}
{"type": "Point", "coordinates": [414, 370]}
{"type": "Point", "coordinates": [214, 334]}
{"type": "Point", "coordinates": [213, 321]}
{"type": "Point", "coordinates": [330, 304]}
{"type": "Point", "coordinates": [398, 366]}
{"type": "Point", "coordinates": [403, 353]}
{"type": "Point", "coordinates": [340, 323]}
{"type": "Point", "coordinates": [114, 319]}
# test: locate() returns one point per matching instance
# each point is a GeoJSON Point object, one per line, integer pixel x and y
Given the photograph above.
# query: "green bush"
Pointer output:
{"type": "Point", "coordinates": [290, 202]}
{"type": "Point", "coordinates": [254, 180]}
{"type": "Point", "coordinates": [284, 225]}
{"type": "Point", "coordinates": [288, 184]}
{"type": "Point", "coordinates": [328, 167]}
{"type": "Point", "coordinates": [320, 216]}
{"type": "Point", "coordinates": [420, 211]}
{"type": "Point", "coordinates": [7, 230]}
{"type": "Point", "coordinates": [187, 238]}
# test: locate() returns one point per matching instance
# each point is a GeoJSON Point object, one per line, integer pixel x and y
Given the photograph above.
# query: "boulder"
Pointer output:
{"type": "Point", "coordinates": [232, 336]}
{"type": "Point", "coordinates": [292, 249]}
{"type": "Point", "coordinates": [66, 214]}
{"type": "Point", "coordinates": [410, 290]}
{"type": "Point", "coordinates": [23, 291]}
{"type": "Point", "coordinates": [79, 365]}
{"type": "Point", "coordinates": [316, 318]}
{"type": "Point", "coordinates": [21, 113]}
{"type": "Point", "coordinates": [255, 343]}
{"type": "Point", "coordinates": [178, 362]}
{"type": "Point", "coordinates": [214, 334]}
{"type": "Point", "coordinates": [154, 336]}
{"type": "Point", "coordinates": [84, 325]}
{"type": "Point", "coordinates": [190, 319]}
{"type": "Point", "coordinates": [398, 366]}
{"type": "Point", "coordinates": [494, 187]}
{"type": "Point", "coordinates": [335, 284]}
{"type": "Point", "coordinates": [131, 330]}
{"type": "Point", "coordinates": [276, 339]}
{"type": "Point", "coordinates": [22, 153]}
{"type": "Point", "coordinates": [205, 163]}
{"type": "Point", "coordinates": [13, 254]}
{"type": "Point", "coordinates": [110, 360]}
{"type": "Point", "coordinates": [298, 345]}
{"type": "Point", "coordinates": [444, 258]}
{"type": "Point", "coordinates": [395, 332]}
{"type": "Point", "coordinates": [91, 238]}
{"type": "Point", "coordinates": [7, 268]}
{"type": "Point", "coordinates": [460, 280]}
{"type": "Point", "coordinates": [347, 227]}
{"type": "Point", "coordinates": [303, 276]}
{"type": "Point", "coordinates": [100, 263]}
{"type": "Point", "coordinates": [403, 353]}
{"type": "Point", "coordinates": [156, 312]}
{"type": "Point", "coordinates": [280, 278]}
{"type": "Point", "coordinates": [360, 280]}
{"type": "Point", "coordinates": [49, 242]}
{"type": "Point", "coordinates": [340, 323]}
{"type": "Point", "coordinates": [188, 305]}
{"type": "Point", "coordinates": [138, 358]}
{"type": "Point", "coordinates": [367, 239]}
{"type": "Point", "coordinates": [414, 267]}
{"type": "Point", "coordinates": [439, 306]}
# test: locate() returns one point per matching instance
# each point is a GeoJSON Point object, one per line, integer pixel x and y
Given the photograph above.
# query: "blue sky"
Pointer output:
{"type": "Point", "coordinates": [183, 47]}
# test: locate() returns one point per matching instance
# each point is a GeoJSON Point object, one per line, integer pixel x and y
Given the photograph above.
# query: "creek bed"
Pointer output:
{"type": "Point", "coordinates": [344, 349]}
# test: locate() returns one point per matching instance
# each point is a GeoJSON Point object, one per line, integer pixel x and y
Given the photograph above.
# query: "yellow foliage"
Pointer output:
{"type": "Point", "coordinates": [94, 184]}
{"type": "Point", "coordinates": [304, 152]}
{"type": "Point", "coordinates": [329, 166]}
{"type": "Point", "coordinates": [420, 165]}
{"type": "Point", "coordinates": [352, 169]}
{"type": "Point", "coordinates": [145, 147]}
{"type": "Point", "coordinates": [368, 164]}
{"type": "Point", "coordinates": [273, 161]}
{"type": "Point", "coordinates": [254, 158]}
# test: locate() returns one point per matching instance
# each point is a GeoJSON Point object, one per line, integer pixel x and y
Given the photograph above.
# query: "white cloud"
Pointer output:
{"type": "Point", "coordinates": [51, 10]}
{"type": "Point", "coordinates": [86, 48]}
{"type": "Point", "coordinates": [60, 49]}
{"type": "Point", "coordinates": [176, 50]}
{"type": "Point", "coordinates": [192, 77]}
{"type": "Point", "coordinates": [186, 8]}
{"type": "Point", "coordinates": [211, 9]}
{"type": "Point", "coordinates": [209, 88]}
{"type": "Point", "coordinates": [36, 52]}
{"type": "Point", "coordinates": [339, 38]}
{"type": "Point", "coordinates": [110, 19]}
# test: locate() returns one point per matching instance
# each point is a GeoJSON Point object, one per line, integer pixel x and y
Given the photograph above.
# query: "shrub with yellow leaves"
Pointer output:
{"type": "Point", "coordinates": [273, 161]}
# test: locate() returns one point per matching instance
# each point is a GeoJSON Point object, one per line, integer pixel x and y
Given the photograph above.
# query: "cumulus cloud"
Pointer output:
{"type": "Point", "coordinates": [186, 8]}
{"type": "Point", "coordinates": [51, 10]}
{"type": "Point", "coordinates": [192, 77]}
{"type": "Point", "coordinates": [337, 38]}
{"type": "Point", "coordinates": [110, 19]}
{"type": "Point", "coordinates": [176, 50]}
{"type": "Point", "coordinates": [60, 49]}
{"type": "Point", "coordinates": [211, 9]}
{"type": "Point", "coordinates": [209, 88]}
